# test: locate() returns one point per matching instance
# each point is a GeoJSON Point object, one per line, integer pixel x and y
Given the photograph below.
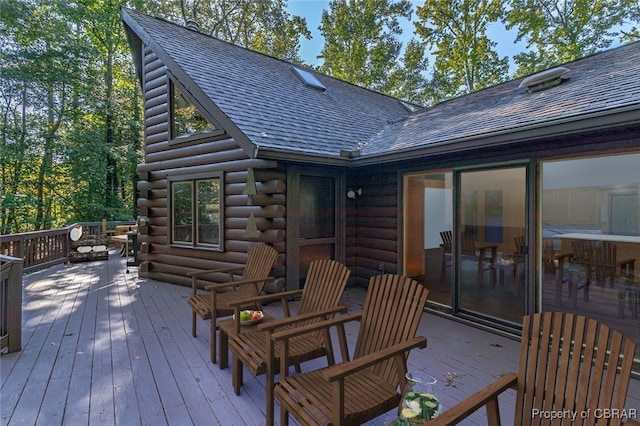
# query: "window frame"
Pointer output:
{"type": "Point", "coordinates": [193, 180]}
{"type": "Point", "coordinates": [216, 129]}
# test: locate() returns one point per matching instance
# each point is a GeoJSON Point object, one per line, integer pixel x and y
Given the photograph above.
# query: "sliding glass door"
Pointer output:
{"type": "Point", "coordinates": [465, 239]}
{"type": "Point", "coordinates": [491, 245]}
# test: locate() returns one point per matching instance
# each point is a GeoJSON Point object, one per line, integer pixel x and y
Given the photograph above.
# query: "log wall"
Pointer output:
{"type": "Point", "coordinates": [372, 224]}
{"type": "Point", "coordinates": [165, 158]}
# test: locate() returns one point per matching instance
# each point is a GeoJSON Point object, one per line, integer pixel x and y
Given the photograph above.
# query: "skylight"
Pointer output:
{"type": "Point", "coordinates": [309, 79]}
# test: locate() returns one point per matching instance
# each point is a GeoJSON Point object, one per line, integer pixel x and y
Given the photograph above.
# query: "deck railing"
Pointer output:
{"type": "Point", "coordinates": [10, 304]}
{"type": "Point", "coordinates": [42, 249]}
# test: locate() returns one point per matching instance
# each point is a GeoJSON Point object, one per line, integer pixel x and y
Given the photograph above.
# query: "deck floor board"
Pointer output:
{"type": "Point", "coordinates": [102, 346]}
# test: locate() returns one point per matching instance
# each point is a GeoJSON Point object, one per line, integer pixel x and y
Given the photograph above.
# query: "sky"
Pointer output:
{"type": "Point", "coordinates": [311, 10]}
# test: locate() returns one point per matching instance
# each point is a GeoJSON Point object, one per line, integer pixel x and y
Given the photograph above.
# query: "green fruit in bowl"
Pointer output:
{"type": "Point", "coordinates": [245, 316]}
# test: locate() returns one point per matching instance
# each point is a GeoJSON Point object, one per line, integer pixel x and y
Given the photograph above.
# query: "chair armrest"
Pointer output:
{"type": "Point", "coordinates": [325, 326]}
{"type": "Point", "coordinates": [213, 271]}
{"type": "Point", "coordinates": [627, 267]}
{"type": "Point", "coordinates": [297, 331]}
{"type": "Point", "coordinates": [342, 370]}
{"type": "Point", "coordinates": [299, 318]}
{"type": "Point", "coordinates": [266, 297]}
{"type": "Point", "coordinates": [463, 409]}
{"type": "Point", "coordinates": [558, 256]}
{"type": "Point", "coordinates": [215, 287]}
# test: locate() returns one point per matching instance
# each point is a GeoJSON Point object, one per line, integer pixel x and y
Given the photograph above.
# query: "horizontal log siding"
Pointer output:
{"type": "Point", "coordinates": [372, 224]}
{"type": "Point", "coordinates": [164, 158]}
{"type": "Point", "coordinates": [156, 100]}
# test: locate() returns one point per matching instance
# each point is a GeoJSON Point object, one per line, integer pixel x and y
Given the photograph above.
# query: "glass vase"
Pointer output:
{"type": "Point", "coordinates": [420, 400]}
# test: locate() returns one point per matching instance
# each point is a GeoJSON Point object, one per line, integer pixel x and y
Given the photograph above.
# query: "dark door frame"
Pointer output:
{"type": "Point", "coordinates": [293, 240]}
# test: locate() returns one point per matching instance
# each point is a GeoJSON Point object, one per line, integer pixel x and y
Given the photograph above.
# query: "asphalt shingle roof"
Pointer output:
{"type": "Point", "coordinates": [267, 101]}
{"type": "Point", "coordinates": [597, 83]}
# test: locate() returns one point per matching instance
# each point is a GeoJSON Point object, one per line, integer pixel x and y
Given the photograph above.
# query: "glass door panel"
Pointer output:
{"type": "Point", "coordinates": [591, 239]}
{"type": "Point", "coordinates": [490, 243]}
{"type": "Point", "coordinates": [428, 218]}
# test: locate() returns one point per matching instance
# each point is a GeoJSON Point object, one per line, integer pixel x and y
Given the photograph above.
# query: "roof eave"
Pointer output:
{"type": "Point", "coordinates": [600, 120]}
{"type": "Point", "coordinates": [280, 154]}
{"type": "Point", "coordinates": [133, 31]}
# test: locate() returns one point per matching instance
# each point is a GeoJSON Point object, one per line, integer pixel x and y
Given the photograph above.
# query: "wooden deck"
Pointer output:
{"type": "Point", "coordinates": [102, 346]}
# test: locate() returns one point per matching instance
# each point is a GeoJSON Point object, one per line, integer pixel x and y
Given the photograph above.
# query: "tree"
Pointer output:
{"type": "Point", "coordinates": [39, 58]}
{"type": "Point", "coordinates": [465, 58]}
{"type": "Point", "coordinates": [633, 17]}
{"type": "Point", "coordinates": [70, 107]}
{"type": "Point", "coordinates": [261, 25]}
{"type": "Point", "coordinates": [361, 43]}
{"type": "Point", "coordinates": [117, 103]}
{"type": "Point", "coordinates": [71, 118]}
{"type": "Point", "coordinates": [408, 81]}
{"type": "Point", "coordinates": [558, 32]}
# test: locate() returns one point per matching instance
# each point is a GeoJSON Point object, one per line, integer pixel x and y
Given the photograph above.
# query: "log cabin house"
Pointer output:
{"type": "Point", "coordinates": [243, 148]}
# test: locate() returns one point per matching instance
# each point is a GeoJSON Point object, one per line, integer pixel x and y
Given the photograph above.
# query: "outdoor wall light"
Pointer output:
{"type": "Point", "coordinates": [352, 194]}
{"type": "Point", "coordinates": [143, 221]}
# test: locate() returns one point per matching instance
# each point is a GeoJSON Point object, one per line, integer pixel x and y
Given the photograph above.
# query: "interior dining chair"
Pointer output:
{"type": "Point", "coordinates": [447, 243]}
{"type": "Point", "coordinates": [568, 364]}
{"type": "Point", "coordinates": [358, 390]}
{"type": "Point", "coordinates": [319, 300]}
{"type": "Point", "coordinates": [216, 301]}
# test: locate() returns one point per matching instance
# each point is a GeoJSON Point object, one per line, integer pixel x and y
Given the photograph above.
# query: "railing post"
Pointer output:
{"type": "Point", "coordinates": [10, 304]}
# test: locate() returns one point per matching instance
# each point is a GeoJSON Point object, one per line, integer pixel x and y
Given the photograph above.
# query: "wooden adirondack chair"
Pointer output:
{"type": "Point", "coordinates": [567, 362]}
{"type": "Point", "coordinates": [353, 392]}
{"type": "Point", "coordinates": [319, 300]}
{"type": "Point", "coordinates": [214, 304]}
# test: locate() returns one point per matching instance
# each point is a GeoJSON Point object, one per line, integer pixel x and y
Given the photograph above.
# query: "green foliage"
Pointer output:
{"type": "Point", "coordinates": [559, 32]}
{"type": "Point", "coordinates": [361, 42]}
{"type": "Point", "coordinates": [466, 59]}
{"type": "Point", "coordinates": [408, 81]}
{"type": "Point", "coordinates": [71, 134]}
{"type": "Point", "coordinates": [633, 21]}
{"type": "Point", "coordinates": [262, 25]}
{"type": "Point", "coordinates": [66, 102]}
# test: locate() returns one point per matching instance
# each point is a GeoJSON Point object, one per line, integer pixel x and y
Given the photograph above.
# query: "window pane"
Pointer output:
{"type": "Point", "coordinates": [317, 208]}
{"type": "Point", "coordinates": [491, 270]}
{"type": "Point", "coordinates": [182, 205]}
{"type": "Point", "coordinates": [208, 211]}
{"type": "Point", "coordinates": [187, 120]}
{"type": "Point", "coordinates": [428, 214]}
{"type": "Point", "coordinates": [591, 239]}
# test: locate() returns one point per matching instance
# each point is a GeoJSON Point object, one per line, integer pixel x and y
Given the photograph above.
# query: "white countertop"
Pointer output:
{"type": "Point", "coordinates": [600, 237]}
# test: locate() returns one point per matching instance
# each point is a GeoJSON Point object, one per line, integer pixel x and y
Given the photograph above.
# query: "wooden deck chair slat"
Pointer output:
{"type": "Point", "coordinates": [323, 289]}
{"type": "Point", "coordinates": [389, 321]}
{"type": "Point", "coordinates": [212, 305]}
{"type": "Point", "coordinates": [591, 361]}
